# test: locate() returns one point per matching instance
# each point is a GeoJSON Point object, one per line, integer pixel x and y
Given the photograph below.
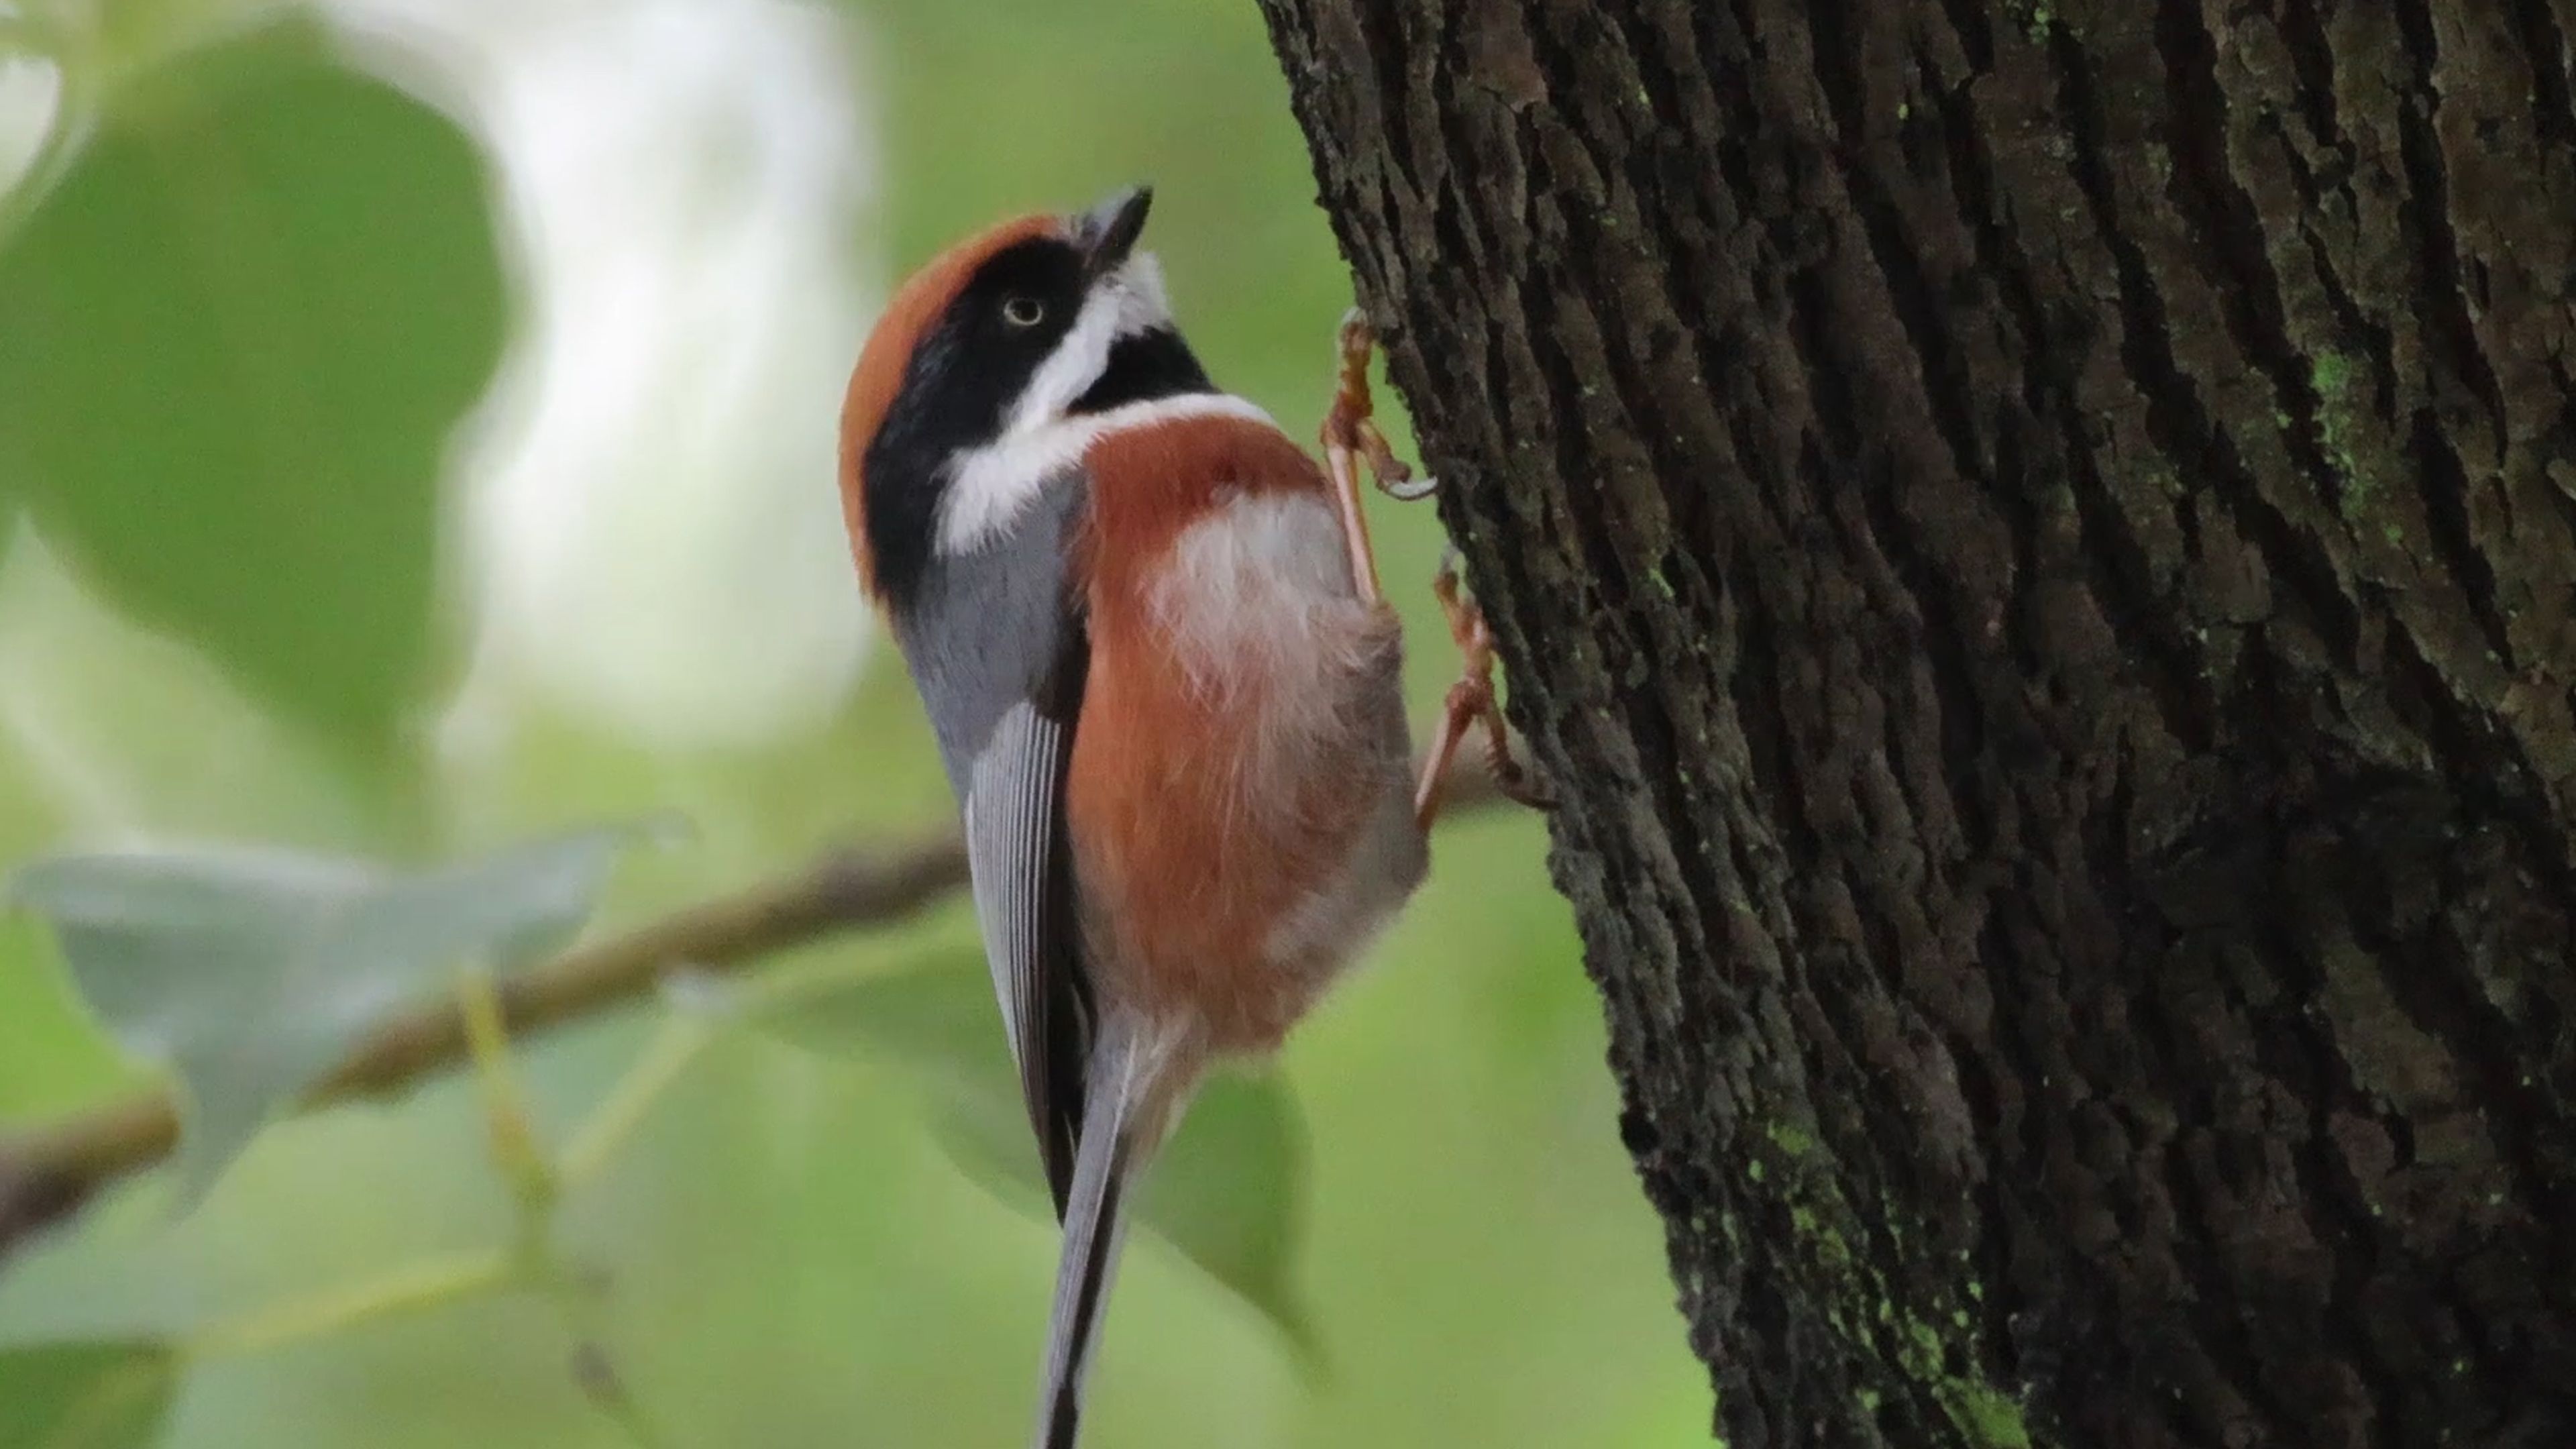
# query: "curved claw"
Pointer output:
{"type": "Point", "coordinates": [1355, 330]}
{"type": "Point", "coordinates": [1512, 779]}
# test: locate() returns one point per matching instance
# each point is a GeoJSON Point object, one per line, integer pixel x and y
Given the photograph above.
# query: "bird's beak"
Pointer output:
{"type": "Point", "coordinates": [1107, 232]}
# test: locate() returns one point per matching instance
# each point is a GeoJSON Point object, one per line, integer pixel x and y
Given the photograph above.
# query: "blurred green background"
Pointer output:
{"type": "Point", "coordinates": [415, 437]}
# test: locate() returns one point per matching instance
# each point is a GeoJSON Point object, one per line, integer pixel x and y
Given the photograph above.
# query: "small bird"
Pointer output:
{"type": "Point", "coordinates": [1148, 633]}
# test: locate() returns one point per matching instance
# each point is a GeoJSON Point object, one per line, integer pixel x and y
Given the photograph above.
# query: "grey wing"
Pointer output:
{"type": "Point", "coordinates": [997, 647]}
{"type": "Point", "coordinates": [1021, 868]}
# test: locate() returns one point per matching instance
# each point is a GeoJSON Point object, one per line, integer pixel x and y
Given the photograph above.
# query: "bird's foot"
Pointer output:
{"type": "Point", "coordinates": [1351, 436]}
{"type": "Point", "coordinates": [1471, 703]}
{"type": "Point", "coordinates": [1352, 423]}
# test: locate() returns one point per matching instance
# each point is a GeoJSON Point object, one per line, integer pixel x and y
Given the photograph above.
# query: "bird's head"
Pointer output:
{"type": "Point", "coordinates": [979, 362]}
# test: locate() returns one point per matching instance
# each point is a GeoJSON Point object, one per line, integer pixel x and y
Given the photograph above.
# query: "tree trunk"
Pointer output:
{"type": "Point", "coordinates": [2035, 542]}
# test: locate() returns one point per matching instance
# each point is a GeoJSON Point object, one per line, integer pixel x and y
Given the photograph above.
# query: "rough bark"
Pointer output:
{"type": "Point", "coordinates": [2035, 540]}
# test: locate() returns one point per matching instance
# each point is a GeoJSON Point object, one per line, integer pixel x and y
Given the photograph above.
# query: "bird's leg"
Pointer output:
{"type": "Point", "coordinates": [1354, 416]}
{"type": "Point", "coordinates": [1471, 703]}
{"type": "Point", "coordinates": [1349, 435]}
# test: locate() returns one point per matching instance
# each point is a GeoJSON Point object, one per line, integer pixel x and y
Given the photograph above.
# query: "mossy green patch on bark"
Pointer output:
{"type": "Point", "coordinates": [2359, 466]}
{"type": "Point", "coordinates": [1990, 1419]}
{"type": "Point", "coordinates": [1935, 1344]}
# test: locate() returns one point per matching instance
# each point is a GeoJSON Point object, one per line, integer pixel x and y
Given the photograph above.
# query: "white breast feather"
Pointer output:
{"type": "Point", "coordinates": [1259, 596]}
{"type": "Point", "coordinates": [1261, 584]}
{"type": "Point", "coordinates": [995, 482]}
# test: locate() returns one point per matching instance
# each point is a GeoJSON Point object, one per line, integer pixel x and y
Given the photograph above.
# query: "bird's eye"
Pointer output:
{"type": "Point", "coordinates": [1023, 311]}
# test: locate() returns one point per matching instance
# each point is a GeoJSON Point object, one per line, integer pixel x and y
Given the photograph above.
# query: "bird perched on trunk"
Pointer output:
{"type": "Point", "coordinates": [1147, 630]}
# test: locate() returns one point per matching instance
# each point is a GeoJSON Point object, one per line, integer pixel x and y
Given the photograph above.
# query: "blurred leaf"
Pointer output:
{"type": "Point", "coordinates": [86, 1395]}
{"type": "Point", "coordinates": [938, 1018]}
{"type": "Point", "coordinates": [233, 340]}
{"type": "Point", "coordinates": [138, 35]}
{"type": "Point", "coordinates": [52, 1059]}
{"type": "Point", "coordinates": [1229, 1193]}
{"type": "Point", "coordinates": [1226, 1190]}
{"type": "Point", "coordinates": [113, 730]}
{"type": "Point", "coordinates": [255, 972]}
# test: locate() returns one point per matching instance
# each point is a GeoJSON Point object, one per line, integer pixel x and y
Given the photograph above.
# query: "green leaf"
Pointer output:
{"type": "Point", "coordinates": [233, 340]}
{"type": "Point", "coordinates": [1229, 1193]}
{"type": "Point", "coordinates": [939, 1018]}
{"type": "Point", "coordinates": [111, 727]}
{"type": "Point", "coordinates": [110, 1395]}
{"type": "Point", "coordinates": [53, 1060]}
{"type": "Point", "coordinates": [255, 972]}
{"type": "Point", "coordinates": [1225, 1191]}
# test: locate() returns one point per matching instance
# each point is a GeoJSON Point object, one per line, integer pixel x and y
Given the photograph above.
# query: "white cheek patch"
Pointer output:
{"type": "Point", "coordinates": [1143, 305]}
{"type": "Point", "coordinates": [991, 485]}
{"type": "Point", "coordinates": [1128, 303]}
{"type": "Point", "coordinates": [1070, 370]}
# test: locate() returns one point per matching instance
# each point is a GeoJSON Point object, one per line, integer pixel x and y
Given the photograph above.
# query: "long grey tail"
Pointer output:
{"type": "Point", "coordinates": [1117, 1139]}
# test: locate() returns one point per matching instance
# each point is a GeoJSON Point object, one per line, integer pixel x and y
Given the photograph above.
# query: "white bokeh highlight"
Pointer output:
{"type": "Point", "coordinates": [30, 88]}
{"type": "Point", "coordinates": [650, 536]}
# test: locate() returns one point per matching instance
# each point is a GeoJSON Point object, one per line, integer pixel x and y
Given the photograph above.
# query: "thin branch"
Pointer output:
{"type": "Point", "coordinates": [406, 1290]}
{"type": "Point", "coordinates": [53, 1170]}
{"type": "Point", "coordinates": [683, 1036]}
{"type": "Point", "coordinates": [49, 1173]}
